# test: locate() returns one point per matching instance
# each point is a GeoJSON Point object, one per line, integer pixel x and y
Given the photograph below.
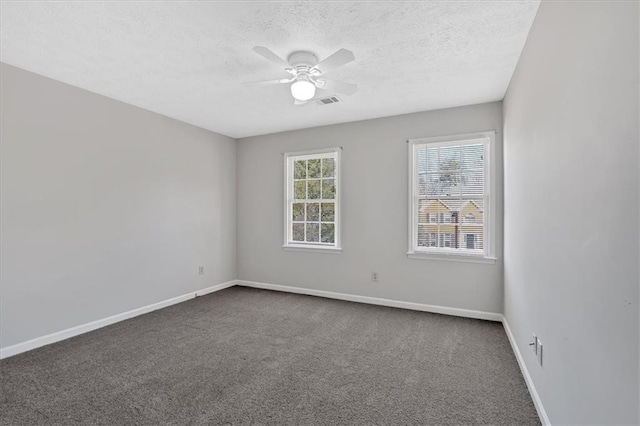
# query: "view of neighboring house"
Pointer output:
{"type": "Point", "coordinates": [450, 188]}
{"type": "Point", "coordinates": [451, 223]}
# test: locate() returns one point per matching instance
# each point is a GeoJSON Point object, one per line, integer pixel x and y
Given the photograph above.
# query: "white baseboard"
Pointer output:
{"type": "Point", "coordinates": [94, 325]}
{"type": "Point", "coordinates": [491, 316]}
{"type": "Point", "coordinates": [527, 377]}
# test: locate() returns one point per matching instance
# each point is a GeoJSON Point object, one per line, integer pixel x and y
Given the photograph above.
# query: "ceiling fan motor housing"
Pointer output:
{"type": "Point", "coordinates": [302, 58]}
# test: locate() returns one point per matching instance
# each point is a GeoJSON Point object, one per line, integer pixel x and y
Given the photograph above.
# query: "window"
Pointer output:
{"type": "Point", "coordinates": [312, 200]}
{"type": "Point", "coordinates": [450, 197]}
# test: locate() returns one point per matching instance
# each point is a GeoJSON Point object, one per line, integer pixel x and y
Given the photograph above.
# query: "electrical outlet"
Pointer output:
{"type": "Point", "coordinates": [201, 270]}
{"type": "Point", "coordinates": [374, 277]}
{"type": "Point", "coordinates": [539, 345]}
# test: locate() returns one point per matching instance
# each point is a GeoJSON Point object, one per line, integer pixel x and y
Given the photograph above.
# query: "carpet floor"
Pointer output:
{"type": "Point", "coordinates": [248, 356]}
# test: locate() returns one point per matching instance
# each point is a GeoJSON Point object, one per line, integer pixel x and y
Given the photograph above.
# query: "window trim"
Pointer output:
{"type": "Point", "coordinates": [489, 216]}
{"type": "Point", "coordinates": [288, 177]}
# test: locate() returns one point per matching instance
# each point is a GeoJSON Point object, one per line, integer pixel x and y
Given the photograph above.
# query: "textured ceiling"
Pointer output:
{"type": "Point", "coordinates": [187, 59]}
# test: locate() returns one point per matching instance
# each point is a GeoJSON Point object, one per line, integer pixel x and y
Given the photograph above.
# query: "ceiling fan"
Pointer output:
{"type": "Point", "coordinates": [307, 73]}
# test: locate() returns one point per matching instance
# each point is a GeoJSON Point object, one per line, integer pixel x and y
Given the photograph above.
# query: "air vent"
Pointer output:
{"type": "Point", "coordinates": [329, 100]}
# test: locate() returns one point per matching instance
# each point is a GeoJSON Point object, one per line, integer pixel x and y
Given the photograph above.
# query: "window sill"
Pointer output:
{"type": "Point", "coordinates": [312, 249]}
{"type": "Point", "coordinates": [451, 257]}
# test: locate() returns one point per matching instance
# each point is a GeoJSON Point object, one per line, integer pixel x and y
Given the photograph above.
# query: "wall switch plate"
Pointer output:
{"type": "Point", "coordinates": [534, 346]}
{"type": "Point", "coordinates": [374, 277]}
{"type": "Point", "coordinates": [539, 345]}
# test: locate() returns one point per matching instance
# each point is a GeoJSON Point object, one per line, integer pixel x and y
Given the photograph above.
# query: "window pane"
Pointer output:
{"type": "Point", "coordinates": [313, 232]}
{"type": "Point", "coordinates": [421, 159]}
{"type": "Point", "coordinates": [300, 190]}
{"type": "Point", "coordinates": [431, 159]}
{"type": "Point", "coordinates": [328, 233]}
{"type": "Point", "coordinates": [473, 183]}
{"type": "Point", "coordinates": [473, 156]}
{"type": "Point", "coordinates": [479, 239]}
{"type": "Point", "coordinates": [314, 189]}
{"type": "Point", "coordinates": [443, 209]}
{"type": "Point", "coordinates": [429, 184]}
{"type": "Point", "coordinates": [450, 183]}
{"type": "Point", "coordinates": [297, 212]}
{"type": "Point", "coordinates": [471, 211]}
{"type": "Point", "coordinates": [328, 212]}
{"type": "Point", "coordinates": [438, 211]}
{"type": "Point", "coordinates": [328, 167]}
{"type": "Point", "coordinates": [313, 212]}
{"type": "Point", "coordinates": [450, 158]}
{"type": "Point", "coordinates": [426, 210]}
{"type": "Point", "coordinates": [422, 236]}
{"type": "Point", "coordinates": [298, 232]}
{"type": "Point", "coordinates": [314, 168]}
{"type": "Point", "coordinates": [471, 227]}
{"type": "Point", "coordinates": [427, 159]}
{"type": "Point", "coordinates": [480, 203]}
{"type": "Point", "coordinates": [300, 169]}
{"type": "Point", "coordinates": [328, 189]}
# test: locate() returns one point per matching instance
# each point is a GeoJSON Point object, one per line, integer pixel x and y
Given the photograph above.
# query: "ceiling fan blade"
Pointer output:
{"type": "Point", "coordinates": [270, 56]}
{"type": "Point", "coordinates": [265, 82]}
{"type": "Point", "coordinates": [338, 59]}
{"type": "Point", "coordinates": [339, 87]}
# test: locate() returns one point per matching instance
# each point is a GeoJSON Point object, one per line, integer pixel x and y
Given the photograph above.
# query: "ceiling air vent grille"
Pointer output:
{"type": "Point", "coordinates": [329, 100]}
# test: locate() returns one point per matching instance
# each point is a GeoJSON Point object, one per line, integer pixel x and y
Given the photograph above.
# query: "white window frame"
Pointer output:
{"type": "Point", "coordinates": [289, 159]}
{"type": "Point", "coordinates": [489, 217]}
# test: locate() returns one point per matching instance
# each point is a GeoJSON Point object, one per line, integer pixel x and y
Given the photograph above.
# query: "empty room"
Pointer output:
{"type": "Point", "coordinates": [319, 212]}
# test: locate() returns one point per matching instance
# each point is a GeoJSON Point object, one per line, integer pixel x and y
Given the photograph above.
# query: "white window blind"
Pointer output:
{"type": "Point", "coordinates": [450, 197]}
{"type": "Point", "coordinates": [312, 210]}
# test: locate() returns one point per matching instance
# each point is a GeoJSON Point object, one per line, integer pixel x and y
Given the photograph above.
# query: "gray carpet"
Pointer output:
{"type": "Point", "coordinates": [247, 356]}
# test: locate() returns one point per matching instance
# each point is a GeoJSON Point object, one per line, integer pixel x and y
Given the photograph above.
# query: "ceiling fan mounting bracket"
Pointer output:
{"type": "Point", "coordinates": [302, 58]}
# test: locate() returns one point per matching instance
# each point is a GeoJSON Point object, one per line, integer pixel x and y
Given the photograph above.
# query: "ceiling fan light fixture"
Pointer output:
{"type": "Point", "coordinates": [303, 90]}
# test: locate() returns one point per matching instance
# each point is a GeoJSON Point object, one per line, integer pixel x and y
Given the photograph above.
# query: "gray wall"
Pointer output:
{"type": "Point", "coordinates": [105, 207]}
{"type": "Point", "coordinates": [571, 209]}
{"type": "Point", "coordinates": [374, 213]}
